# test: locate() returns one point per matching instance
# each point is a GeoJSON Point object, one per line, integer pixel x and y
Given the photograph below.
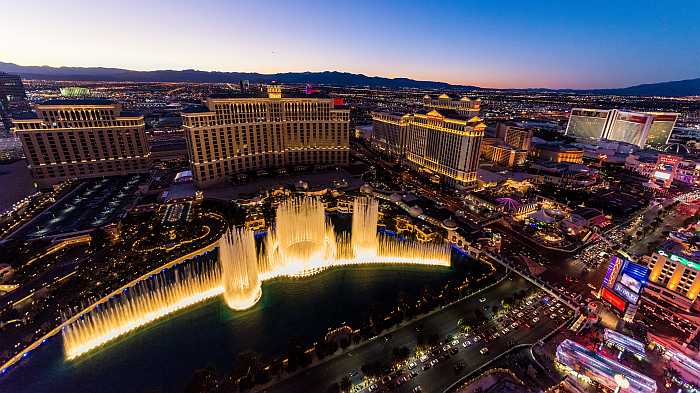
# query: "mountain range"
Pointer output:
{"type": "Point", "coordinates": [689, 87]}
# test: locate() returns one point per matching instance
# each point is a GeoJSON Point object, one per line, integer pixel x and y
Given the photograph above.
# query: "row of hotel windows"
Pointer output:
{"type": "Point", "coordinates": [259, 161]}
{"type": "Point", "coordinates": [206, 120]}
{"type": "Point", "coordinates": [686, 280]}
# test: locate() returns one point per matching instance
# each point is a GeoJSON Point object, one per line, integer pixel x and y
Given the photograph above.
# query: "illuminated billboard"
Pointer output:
{"type": "Point", "coordinates": [613, 299]}
{"type": "Point", "coordinates": [631, 283]}
{"type": "Point", "coordinates": [613, 269]}
{"type": "Point", "coordinates": [626, 293]}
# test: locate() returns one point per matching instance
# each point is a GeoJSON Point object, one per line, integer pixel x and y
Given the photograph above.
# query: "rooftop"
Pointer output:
{"type": "Point", "coordinates": [78, 101]}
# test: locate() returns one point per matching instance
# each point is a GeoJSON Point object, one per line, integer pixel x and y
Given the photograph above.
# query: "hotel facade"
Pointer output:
{"type": "Point", "coordinates": [637, 128]}
{"type": "Point", "coordinates": [465, 106]}
{"type": "Point", "coordinates": [390, 133]}
{"type": "Point", "coordinates": [447, 144]}
{"type": "Point", "coordinates": [75, 139]}
{"type": "Point", "coordinates": [231, 136]}
{"type": "Point", "coordinates": [675, 273]}
{"type": "Point", "coordinates": [444, 139]}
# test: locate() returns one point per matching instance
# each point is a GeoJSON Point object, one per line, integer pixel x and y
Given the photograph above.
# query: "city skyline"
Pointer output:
{"type": "Point", "coordinates": [513, 46]}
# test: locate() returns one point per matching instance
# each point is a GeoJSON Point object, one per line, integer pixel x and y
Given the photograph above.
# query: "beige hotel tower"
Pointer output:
{"type": "Point", "coordinates": [237, 135]}
{"type": "Point", "coordinates": [76, 139]}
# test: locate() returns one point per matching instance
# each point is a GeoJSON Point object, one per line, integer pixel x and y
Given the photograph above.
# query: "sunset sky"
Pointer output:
{"type": "Point", "coordinates": [556, 44]}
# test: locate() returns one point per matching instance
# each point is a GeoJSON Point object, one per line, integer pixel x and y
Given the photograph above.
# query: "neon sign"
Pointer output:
{"type": "Point", "coordinates": [613, 299]}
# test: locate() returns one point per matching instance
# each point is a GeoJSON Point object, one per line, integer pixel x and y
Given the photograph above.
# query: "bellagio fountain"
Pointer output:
{"type": "Point", "coordinates": [301, 243]}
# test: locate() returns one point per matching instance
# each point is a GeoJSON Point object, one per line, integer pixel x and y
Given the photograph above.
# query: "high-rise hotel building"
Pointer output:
{"type": "Point", "coordinates": [675, 272]}
{"type": "Point", "coordinates": [444, 139]}
{"type": "Point", "coordinates": [447, 144]}
{"type": "Point", "coordinates": [73, 139]}
{"type": "Point", "coordinates": [237, 135]}
{"type": "Point", "coordinates": [390, 133]}
{"type": "Point", "coordinates": [637, 128]}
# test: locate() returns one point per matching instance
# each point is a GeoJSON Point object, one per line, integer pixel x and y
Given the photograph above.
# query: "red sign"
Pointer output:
{"type": "Point", "coordinates": [613, 299]}
{"type": "Point", "coordinates": [338, 102]}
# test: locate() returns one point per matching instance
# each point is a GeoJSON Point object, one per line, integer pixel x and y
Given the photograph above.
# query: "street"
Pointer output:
{"type": "Point", "coordinates": [443, 323]}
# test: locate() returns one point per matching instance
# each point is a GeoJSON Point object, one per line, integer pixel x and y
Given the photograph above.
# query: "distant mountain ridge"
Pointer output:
{"type": "Point", "coordinates": [118, 74]}
{"type": "Point", "coordinates": [689, 87]}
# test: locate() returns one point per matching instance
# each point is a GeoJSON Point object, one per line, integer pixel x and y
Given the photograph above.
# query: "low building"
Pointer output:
{"type": "Point", "coordinates": [503, 154]}
{"type": "Point", "coordinates": [557, 152]}
{"type": "Point", "coordinates": [592, 367]}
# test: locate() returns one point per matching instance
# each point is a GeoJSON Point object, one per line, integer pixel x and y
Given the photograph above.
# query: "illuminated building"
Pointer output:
{"type": "Point", "coordinates": [236, 135]}
{"type": "Point", "coordinates": [663, 169]}
{"type": "Point", "coordinates": [13, 98]}
{"type": "Point", "coordinates": [675, 274]}
{"type": "Point", "coordinates": [624, 343]}
{"type": "Point", "coordinates": [589, 124]}
{"type": "Point", "coordinates": [75, 91]}
{"type": "Point", "coordinates": [502, 154]}
{"type": "Point", "coordinates": [390, 133]}
{"type": "Point", "coordinates": [623, 285]}
{"type": "Point", "coordinates": [661, 129]}
{"type": "Point", "coordinates": [446, 143]}
{"type": "Point", "coordinates": [67, 139]}
{"type": "Point", "coordinates": [510, 146]}
{"type": "Point", "coordinates": [630, 127]}
{"type": "Point", "coordinates": [465, 106]}
{"type": "Point", "coordinates": [518, 137]}
{"type": "Point", "coordinates": [556, 152]}
{"type": "Point", "coordinates": [589, 366]}
{"type": "Point", "coordinates": [637, 128]}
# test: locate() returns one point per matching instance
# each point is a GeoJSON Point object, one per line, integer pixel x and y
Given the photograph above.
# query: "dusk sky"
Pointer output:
{"type": "Point", "coordinates": [557, 44]}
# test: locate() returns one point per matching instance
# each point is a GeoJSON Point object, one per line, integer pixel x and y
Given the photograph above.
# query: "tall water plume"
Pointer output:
{"type": "Point", "coordinates": [146, 301]}
{"type": "Point", "coordinates": [364, 227]}
{"type": "Point", "coordinates": [239, 268]}
{"type": "Point", "coordinates": [302, 241]}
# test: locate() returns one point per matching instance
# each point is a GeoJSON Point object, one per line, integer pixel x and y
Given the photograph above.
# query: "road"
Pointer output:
{"type": "Point", "coordinates": [442, 323]}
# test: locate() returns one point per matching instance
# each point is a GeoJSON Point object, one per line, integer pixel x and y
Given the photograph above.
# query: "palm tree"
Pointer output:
{"type": "Point", "coordinates": [345, 384]}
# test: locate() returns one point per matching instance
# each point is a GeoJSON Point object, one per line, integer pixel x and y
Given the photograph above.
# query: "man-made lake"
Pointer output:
{"type": "Point", "coordinates": [162, 356]}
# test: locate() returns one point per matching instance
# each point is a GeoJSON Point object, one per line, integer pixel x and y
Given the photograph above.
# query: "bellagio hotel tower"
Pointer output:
{"type": "Point", "coordinates": [237, 135]}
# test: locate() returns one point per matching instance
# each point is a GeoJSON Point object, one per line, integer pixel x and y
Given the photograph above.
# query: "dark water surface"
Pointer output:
{"type": "Point", "coordinates": [162, 356]}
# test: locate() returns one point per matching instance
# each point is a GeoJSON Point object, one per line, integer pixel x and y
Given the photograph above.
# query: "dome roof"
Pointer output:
{"type": "Point", "coordinates": [449, 224]}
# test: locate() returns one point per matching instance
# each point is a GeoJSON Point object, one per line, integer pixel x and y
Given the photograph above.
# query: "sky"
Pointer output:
{"type": "Point", "coordinates": [498, 43]}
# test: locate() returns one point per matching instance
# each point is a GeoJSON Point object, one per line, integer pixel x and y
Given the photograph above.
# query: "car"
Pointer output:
{"type": "Point", "coordinates": [417, 389]}
{"type": "Point", "coordinates": [454, 342]}
{"type": "Point", "coordinates": [373, 387]}
{"type": "Point", "coordinates": [412, 365]}
{"type": "Point", "coordinates": [466, 344]}
{"type": "Point", "coordinates": [482, 300]}
{"type": "Point", "coordinates": [536, 319]}
{"type": "Point", "coordinates": [520, 315]}
{"type": "Point", "coordinates": [484, 351]}
{"type": "Point", "coordinates": [446, 347]}
{"type": "Point", "coordinates": [552, 316]}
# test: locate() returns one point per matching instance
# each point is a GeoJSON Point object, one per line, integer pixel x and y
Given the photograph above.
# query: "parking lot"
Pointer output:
{"type": "Point", "coordinates": [435, 368]}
